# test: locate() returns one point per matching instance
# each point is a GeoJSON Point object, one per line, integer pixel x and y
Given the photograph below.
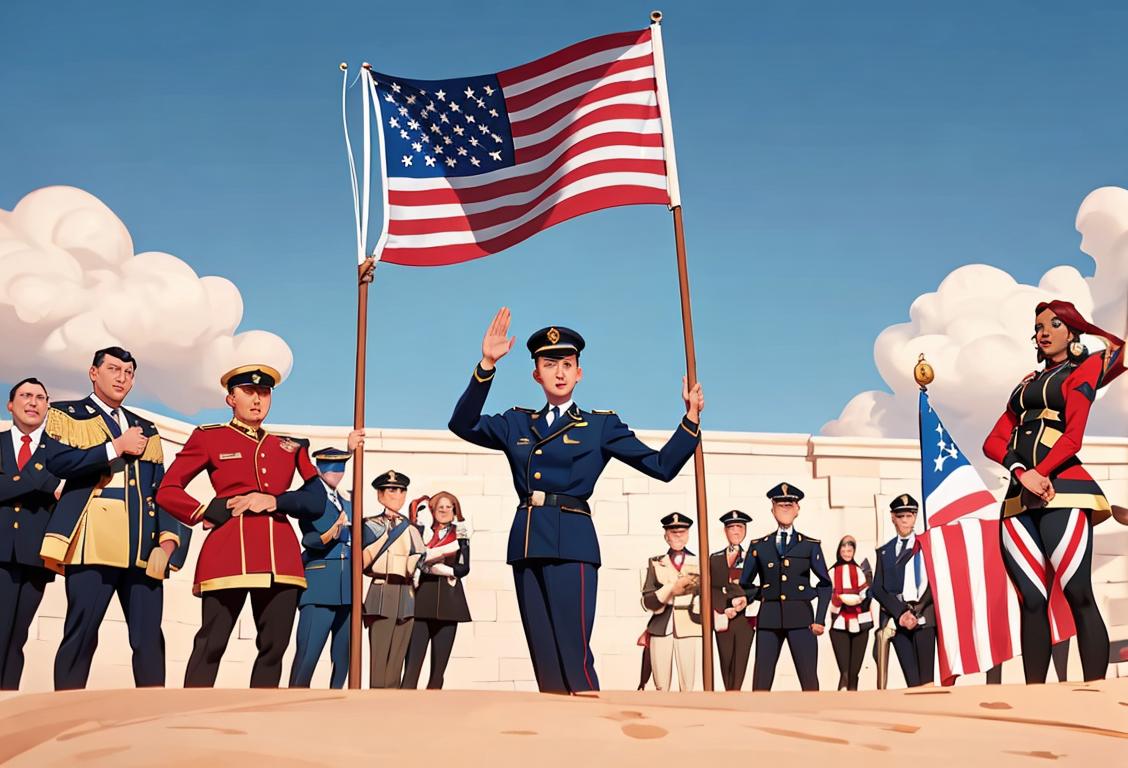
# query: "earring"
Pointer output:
{"type": "Point", "coordinates": [1076, 348]}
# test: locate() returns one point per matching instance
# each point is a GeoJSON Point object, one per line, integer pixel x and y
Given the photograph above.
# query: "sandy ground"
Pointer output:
{"type": "Point", "coordinates": [998, 726]}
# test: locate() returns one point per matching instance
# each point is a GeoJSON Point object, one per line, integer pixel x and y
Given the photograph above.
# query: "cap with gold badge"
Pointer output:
{"type": "Point", "coordinates": [555, 342]}
{"type": "Point", "coordinates": [676, 520]}
{"type": "Point", "coordinates": [785, 492]}
{"type": "Point", "coordinates": [256, 375]}
{"type": "Point", "coordinates": [391, 479]}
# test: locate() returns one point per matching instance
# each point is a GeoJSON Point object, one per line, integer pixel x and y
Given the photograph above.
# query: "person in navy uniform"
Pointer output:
{"type": "Point", "coordinates": [734, 627]}
{"type": "Point", "coordinates": [324, 606]}
{"type": "Point", "coordinates": [784, 562]}
{"type": "Point", "coordinates": [27, 496]}
{"type": "Point", "coordinates": [107, 533]}
{"type": "Point", "coordinates": [556, 455]}
{"type": "Point", "coordinates": [900, 586]}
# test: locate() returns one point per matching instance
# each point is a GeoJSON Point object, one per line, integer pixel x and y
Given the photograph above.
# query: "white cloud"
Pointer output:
{"type": "Point", "coordinates": [70, 283]}
{"type": "Point", "coordinates": [975, 331]}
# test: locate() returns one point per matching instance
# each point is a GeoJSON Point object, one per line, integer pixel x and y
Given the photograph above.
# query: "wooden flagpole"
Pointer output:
{"type": "Point", "coordinates": [365, 273]}
{"type": "Point", "coordinates": [690, 353]}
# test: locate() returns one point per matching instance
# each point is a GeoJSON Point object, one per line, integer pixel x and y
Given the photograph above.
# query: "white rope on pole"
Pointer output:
{"type": "Point", "coordinates": [664, 108]}
{"type": "Point", "coordinates": [379, 249]}
{"type": "Point", "coordinates": [352, 161]}
{"type": "Point", "coordinates": [367, 181]}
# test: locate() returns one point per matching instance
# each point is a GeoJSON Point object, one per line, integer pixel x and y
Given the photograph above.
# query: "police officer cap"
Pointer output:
{"type": "Point", "coordinates": [735, 516]}
{"type": "Point", "coordinates": [331, 459]}
{"type": "Point", "coordinates": [555, 342]}
{"type": "Point", "coordinates": [785, 492]}
{"type": "Point", "coordinates": [676, 520]}
{"type": "Point", "coordinates": [391, 479]}
{"type": "Point", "coordinates": [904, 502]}
{"type": "Point", "coordinates": [257, 375]}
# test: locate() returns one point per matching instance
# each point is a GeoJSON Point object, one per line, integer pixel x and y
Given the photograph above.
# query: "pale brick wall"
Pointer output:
{"type": "Point", "coordinates": [848, 482]}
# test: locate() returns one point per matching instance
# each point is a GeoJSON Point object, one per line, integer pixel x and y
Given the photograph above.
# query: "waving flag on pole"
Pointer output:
{"type": "Point", "coordinates": [474, 165]}
{"type": "Point", "coordinates": [977, 618]}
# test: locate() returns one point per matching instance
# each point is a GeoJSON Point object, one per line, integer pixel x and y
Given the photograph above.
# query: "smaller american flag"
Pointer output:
{"type": "Point", "coordinates": [977, 618]}
{"type": "Point", "coordinates": [474, 165]}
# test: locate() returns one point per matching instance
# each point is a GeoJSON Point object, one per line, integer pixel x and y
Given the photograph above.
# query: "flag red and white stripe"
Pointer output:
{"type": "Point", "coordinates": [587, 134]}
{"type": "Point", "coordinates": [977, 608]}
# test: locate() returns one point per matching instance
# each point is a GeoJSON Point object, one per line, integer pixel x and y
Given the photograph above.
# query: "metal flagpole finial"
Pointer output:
{"type": "Point", "coordinates": [656, 17]}
{"type": "Point", "coordinates": [923, 373]}
{"type": "Point", "coordinates": [344, 67]}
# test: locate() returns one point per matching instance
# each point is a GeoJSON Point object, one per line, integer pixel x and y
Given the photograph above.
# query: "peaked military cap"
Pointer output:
{"type": "Point", "coordinates": [676, 520]}
{"type": "Point", "coordinates": [735, 516]}
{"type": "Point", "coordinates": [555, 342]}
{"type": "Point", "coordinates": [904, 502]}
{"type": "Point", "coordinates": [785, 492]}
{"type": "Point", "coordinates": [391, 479]}
{"type": "Point", "coordinates": [257, 375]}
{"type": "Point", "coordinates": [331, 459]}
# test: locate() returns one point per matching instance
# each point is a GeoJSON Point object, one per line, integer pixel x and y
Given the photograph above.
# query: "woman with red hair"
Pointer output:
{"type": "Point", "coordinates": [1053, 502]}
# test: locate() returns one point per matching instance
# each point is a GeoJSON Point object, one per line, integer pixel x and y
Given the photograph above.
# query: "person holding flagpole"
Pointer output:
{"type": "Point", "coordinates": [1053, 502]}
{"type": "Point", "coordinates": [556, 455]}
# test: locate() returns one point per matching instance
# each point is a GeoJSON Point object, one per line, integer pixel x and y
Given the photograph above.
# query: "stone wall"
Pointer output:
{"type": "Point", "coordinates": [848, 483]}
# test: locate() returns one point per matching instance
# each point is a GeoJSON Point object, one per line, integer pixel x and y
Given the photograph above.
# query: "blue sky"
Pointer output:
{"type": "Point", "coordinates": [837, 160]}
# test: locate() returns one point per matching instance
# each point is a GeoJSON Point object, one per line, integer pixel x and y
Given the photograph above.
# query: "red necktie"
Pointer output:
{"type": "Point", "coordinates": [25, 451]}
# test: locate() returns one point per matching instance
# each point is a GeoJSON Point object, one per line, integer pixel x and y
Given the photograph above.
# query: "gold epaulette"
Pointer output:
{"type": "Point", "coordinates": [76, 433]}
{"type": "Point", "coordinates": [604, 413]}
{"type": "Point", "coordinates": [211, 426]}
{"type": "Point", "coordinates": [154, 453]}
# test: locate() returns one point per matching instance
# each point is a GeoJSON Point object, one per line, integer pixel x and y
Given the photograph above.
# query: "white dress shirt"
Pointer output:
{"type": "Point", "coordinates": [17, 438]}
{"type": "Point", "coordinates": [548, 418]}
{"type": "Point", "coordinates": [914, 587]}
{"type": "Point", "coordinates": [123, 424]}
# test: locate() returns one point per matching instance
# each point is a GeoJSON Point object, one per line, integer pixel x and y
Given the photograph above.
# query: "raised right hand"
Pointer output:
{"type": "Point", "coordinates": [131, 442]}
{"type": "Point", "coordinates": [497, 342]}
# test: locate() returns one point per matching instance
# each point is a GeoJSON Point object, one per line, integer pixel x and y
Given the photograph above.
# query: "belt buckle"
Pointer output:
{"type": "Point", "coordinates": [536, 498]}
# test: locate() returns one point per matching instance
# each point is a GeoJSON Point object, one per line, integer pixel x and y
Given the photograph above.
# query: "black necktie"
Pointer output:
{"type": "Point", "coordinates": [901, 549]}
{"type": "Point", "coordinates": [782, 542]}
{"type": "Point", "coordinates": [555, 414]}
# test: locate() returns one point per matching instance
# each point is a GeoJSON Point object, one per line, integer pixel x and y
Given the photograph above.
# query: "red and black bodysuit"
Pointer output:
{"type": "Point", "coordinates": [1042, 429]}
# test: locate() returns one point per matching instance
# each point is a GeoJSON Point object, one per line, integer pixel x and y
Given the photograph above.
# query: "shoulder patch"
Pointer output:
{"type": "Point", "coordinates": [211, 426]}
{"type": "Point", "coordinates": [812, 539]}
{"type": "Point", "coordinates": [604, 413]}
{"type": "Point", "coordinates": [519, 409]}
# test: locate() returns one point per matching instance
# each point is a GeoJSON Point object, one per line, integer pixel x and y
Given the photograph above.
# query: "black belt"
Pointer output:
{"type": "Point", "coordinates": [567, 503]}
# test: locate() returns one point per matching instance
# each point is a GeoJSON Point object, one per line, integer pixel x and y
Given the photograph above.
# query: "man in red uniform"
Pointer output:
{"type": "Point", "coordinates": [251, 549]}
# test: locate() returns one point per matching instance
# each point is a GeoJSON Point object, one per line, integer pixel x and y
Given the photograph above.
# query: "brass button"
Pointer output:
{"type": "Point", "coordinates": [785, 577]}
{"type": "Point", "coordinates": [767, 586]}
{"type": "Point", "coordinates": [538, 451]}
{"type": "Point", "coordinates": [536, 475]}
{"type": "Point", "coordinates": [771, 565]}
{"type": "Point", "coordinates": [15, 478]}
{"type": "Point", "coordinates": [786, 561]}
{"type": "Point", "coordinates": [801, 587]}
{"type": "Point", "coordinates": [264, 470]}
{"type": "Point", "coordinates": [753, 553]}
{"type": "Point", "coordinates": [133, 482]}
{"type": "Point", "coordinates": [16, 508]}
{"type": "Point", "coordinates": [16, 524]}
{"type": "Point", "coordinates": [262, 455]}
{"type": "Point", "coordinates": [152, 513]}
{"type": "Point", "coordinates": [783, 597]}
{"type": "Point", "coordinates": [266, 485]}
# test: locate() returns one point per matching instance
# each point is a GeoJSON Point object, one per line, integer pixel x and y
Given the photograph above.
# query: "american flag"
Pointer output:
{"type": "Point", "coordinates": [977, 618]}
{"type": "Point", "coordinates": [474, 165]}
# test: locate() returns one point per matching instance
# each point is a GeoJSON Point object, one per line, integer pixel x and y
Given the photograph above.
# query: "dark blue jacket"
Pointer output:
{"type": "Point", "coordinates": [785, 591]}
{"type": "Point", "coordinates": [889, 582]}
{"type": "Point", "coordinates": [566, 458]}
{"type": "Point", "coordinates": [27, 497]}
{"type": "Point", "coordinates": [82, 430]}
{"type": "Point", "coordinates": [328, 565]}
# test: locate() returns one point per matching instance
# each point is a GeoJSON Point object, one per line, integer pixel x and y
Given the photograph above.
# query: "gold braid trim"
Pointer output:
{"type": "Point", "coordinates": [85, 433]}
{"type": "Point", "coordinates": [153, 451]}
